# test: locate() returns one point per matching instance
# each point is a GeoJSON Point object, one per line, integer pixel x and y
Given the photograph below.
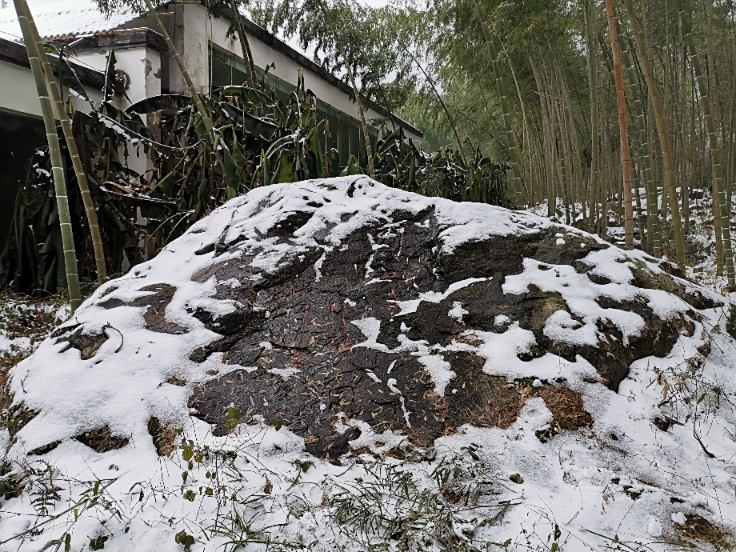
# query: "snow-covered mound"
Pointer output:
{"type": "Point", "coordinates": [338, 365]}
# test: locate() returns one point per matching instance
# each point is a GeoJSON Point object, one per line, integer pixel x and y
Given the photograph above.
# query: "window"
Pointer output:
{"type": "Point", "coordinates": [345, 132]}
{"type": "Point", "coordinates": [225, 69]}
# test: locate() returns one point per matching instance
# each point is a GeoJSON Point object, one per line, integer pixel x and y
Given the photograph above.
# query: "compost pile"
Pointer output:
{"type": "Point", "coordinates": [336, 364]}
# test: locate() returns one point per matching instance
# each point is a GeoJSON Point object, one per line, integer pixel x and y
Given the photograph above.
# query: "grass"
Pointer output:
{"type": "Point", "coordinates": [391, 507]}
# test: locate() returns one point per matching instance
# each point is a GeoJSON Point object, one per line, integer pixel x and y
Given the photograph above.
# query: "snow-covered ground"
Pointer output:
{"type": "Point", "coordinates": [652, 472]}
{"type": "Point", "coordinates": [700, 238]}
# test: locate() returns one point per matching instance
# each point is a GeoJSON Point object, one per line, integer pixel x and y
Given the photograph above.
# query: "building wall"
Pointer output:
{"type": "Point", "coordinates": [141, 64]}
{"type": "Point", "coordinates": [18, 91]}
{"type": "Point", "coordinates": [193, 30]}
{"type": "Point", "coordinates": [95, 60]}
{"type": "Point", "coordinates": [143, 67]}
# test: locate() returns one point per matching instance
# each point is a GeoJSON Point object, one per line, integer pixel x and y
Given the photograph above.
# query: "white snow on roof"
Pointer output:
{"type": "Point", "coordinates": [62, 19]}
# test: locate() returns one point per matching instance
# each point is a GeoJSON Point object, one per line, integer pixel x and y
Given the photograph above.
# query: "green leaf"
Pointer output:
{"type": "Point", "coordinates": [199, 127]}
{"type": "Point", "coordinates": [68, 75]}
{"type": "Point", "coordinates": [285, 170]}
{"type": "Point", "coordinates": [352, 168]}
{"type": "Point", "coordinates": [187, 450]}
{"type": "Point", "coordinates": [233, 177]}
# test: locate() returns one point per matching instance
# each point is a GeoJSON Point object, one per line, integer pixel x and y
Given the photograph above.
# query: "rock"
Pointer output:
{"type": "Point", "coordinates": [341, 322]}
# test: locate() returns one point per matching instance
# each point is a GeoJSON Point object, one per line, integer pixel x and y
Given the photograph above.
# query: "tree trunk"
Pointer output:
{"type": "Point", "coordinates": [511, 141]}
{"type": "Point", "coordinates": [450, 118]}
{"type": "Point", "coordinates": [57, 168]}
{"type": "Point", "coordinates": [361, 113]}
{"type": "Point", "coordinates": [588, 11]}
{"type": "Point", "coordinates": [721, 200]}
{"type": "Point", "coordinates": [623, 126]}
{"type": "Point", "coordinates": [71, 144]}
{"type": "Point", "coordinates": [520, 170]}
{"type": "Point", "coordinates": [547, 144]}
{"type": "Point", "coordinates": [706, 90]}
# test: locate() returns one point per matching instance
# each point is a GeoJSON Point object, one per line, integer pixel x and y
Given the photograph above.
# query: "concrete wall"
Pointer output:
{"type": "Point", "coordinates": [143, 66]}
{"type": "Point", "coordinates": [192, 29]}
{"type": "Point", "coordinates": [18, 91]}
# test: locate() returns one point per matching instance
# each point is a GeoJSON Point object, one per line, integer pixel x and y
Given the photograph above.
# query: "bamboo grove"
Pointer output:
{"type": "Point", "coordinates": [543, 73]}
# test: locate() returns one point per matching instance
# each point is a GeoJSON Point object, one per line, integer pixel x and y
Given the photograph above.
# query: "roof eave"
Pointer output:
{"type": "Point", "coordinates": [16, 54]}
{"type": "Point", "coordinates": [120, 39]}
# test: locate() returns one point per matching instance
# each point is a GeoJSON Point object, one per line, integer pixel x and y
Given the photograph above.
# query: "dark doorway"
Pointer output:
{"type": "Point", "coordinates": [20, 135]}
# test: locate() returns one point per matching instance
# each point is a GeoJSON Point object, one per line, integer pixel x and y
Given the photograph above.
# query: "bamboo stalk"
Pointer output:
{"type": "Point", "coordinates": [706, 87]}
{"type": "Point", "coordinates": [356, 92]}
{"type": "Point", "coordinates": [623, 125]}
{"type": "Point", "coordinates": [515, 160]}
{"type": "Point", "coordinates": [244, 44]}
{"type": "Point", "coordinates": [547, 146]}
{"type": "Point", "coordinates": [640, 137]}
{"type": "Point", "coordinates": [721, 201]}
{"type": "Point", "coordinates": [663, 131]}
{"type": "Point", "coordinates": [593, 100]}
{"type": "Point", "coordinates": [71, 144]}
{"type": "Point", "coordinates": [437, 94]}
{"type": "Point", "coordinates": [57, 168]}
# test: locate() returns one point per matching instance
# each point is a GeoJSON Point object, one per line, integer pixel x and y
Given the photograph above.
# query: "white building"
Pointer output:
{"type": "Point", "coordinates": [212, 58]}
